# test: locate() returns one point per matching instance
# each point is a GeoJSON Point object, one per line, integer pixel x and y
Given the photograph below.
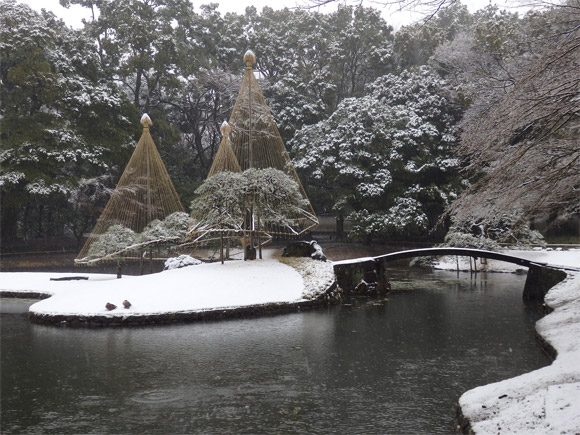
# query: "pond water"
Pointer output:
{"type": "Point", "coordinates": [396, 365]}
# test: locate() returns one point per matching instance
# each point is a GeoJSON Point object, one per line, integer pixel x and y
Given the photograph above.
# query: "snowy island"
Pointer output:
{"type": "Point", "coordinates": [204, 291]}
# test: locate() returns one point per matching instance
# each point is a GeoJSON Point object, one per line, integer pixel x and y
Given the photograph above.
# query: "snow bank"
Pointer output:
{"type": "Point", "coordinates": [40, 282]}
{"type": "Point", "coordinates": [318, 276]}
{"type": "Point", "coordinates": [569, 258]}
{"type": "Point", "coordinates": [545, 401]}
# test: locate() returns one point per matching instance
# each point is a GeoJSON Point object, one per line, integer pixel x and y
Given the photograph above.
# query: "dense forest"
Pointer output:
{"type": "Point", "coordinates": [466, 120]}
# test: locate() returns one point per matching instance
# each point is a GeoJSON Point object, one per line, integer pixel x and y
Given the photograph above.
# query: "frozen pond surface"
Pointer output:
{"type": "Point", "coordinates": [397, 365]}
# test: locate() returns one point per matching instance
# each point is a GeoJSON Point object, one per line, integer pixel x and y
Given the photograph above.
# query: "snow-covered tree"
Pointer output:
{"type": "Point", "coordinates": [169, 230]}
{"type": "Point", "coordinates": [223, 198]}
{"type": "Point", "coordinates": [61, 119]}
{"type": "Point", "coordinates": [86, 202]}
{"type": "Point", "coordinates": [276, 196]}
{"type": "Point", "coordinates": [376, 152]}
{"type": "Point", "coordinates": [416, 43]}
{"type": "Point", "coordinates": [219, 201]}
{"type": "Point", "coordinates": [311, 61]}
{"type": "Point", "coordinates": [520, 134]}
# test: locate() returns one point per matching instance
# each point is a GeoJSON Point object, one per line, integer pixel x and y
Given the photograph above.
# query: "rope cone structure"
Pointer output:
{"type": "Point", "coordinates": [257, 143]}
{"type": "Point", "coordinates": [225, 159]}
{"type": "Point", "coordinates": [256, 140]}
{"type": "Point", "coordinates": [144, 193]}
{"type": "Point", "coordinates": [253, 140]}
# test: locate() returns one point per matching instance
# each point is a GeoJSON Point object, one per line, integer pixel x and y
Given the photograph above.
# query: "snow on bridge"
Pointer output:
{"type": "Point", "coordinates": [368, 274]}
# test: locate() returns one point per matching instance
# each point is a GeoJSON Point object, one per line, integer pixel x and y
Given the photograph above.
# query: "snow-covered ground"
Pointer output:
{"type": "Point", "coordinates": [202, 287]}
{"type": "Point", "coordinates": [563, 258]}
{"type": "Point", "coordinates": [543, 401]}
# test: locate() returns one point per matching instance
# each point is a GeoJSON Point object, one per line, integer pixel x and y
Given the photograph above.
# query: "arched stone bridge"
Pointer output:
{"type": "Point", "coordinates": [368, 275]}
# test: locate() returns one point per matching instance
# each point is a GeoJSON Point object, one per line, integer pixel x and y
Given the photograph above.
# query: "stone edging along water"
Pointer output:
{"type": "Point", "coordinates": [177, 316]}
{"type": "Point", "coordinates": [24, 295]}
{"type": "Point", "coordinates": [330, 296]}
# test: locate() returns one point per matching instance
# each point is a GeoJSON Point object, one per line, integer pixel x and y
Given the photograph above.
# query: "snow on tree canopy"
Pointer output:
{"type": "Point", "coordinates": [115, 239]}
{"type": "Point", "coordinates": [367, 153]}
{"type": "Point", "coordinates": [221, 198]}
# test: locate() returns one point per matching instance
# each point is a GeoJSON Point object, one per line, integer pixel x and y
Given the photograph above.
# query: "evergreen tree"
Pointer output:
{"type": "Point", "coordinates": [387, 153]}
{"type": "Point", "coordinates": [60, 120]}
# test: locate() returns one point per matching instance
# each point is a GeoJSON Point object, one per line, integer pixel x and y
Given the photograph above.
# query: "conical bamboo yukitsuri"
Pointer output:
{"type": "Point", "coordinates": [144, 193]}
{"type": "Point", "coordinates": [256, 143]}
{"type": "Point", "coordinates": [225, 159]}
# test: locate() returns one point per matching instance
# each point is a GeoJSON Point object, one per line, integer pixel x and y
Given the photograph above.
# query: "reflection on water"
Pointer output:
{"type": "Point", "coordinates": [391, 366]}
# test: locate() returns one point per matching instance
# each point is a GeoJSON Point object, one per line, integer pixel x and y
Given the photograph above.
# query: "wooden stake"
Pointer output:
{"type": "Point", "coordinates": [244, 230]}
{"type": "Point", "coordinates": [222, 246]}
{"type": "Point", "coordinates": [259, 238]}
{"type": "Point", "coordinates": [227, 248]}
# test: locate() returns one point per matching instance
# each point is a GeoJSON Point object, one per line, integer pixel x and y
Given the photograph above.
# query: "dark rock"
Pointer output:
{"type": "Point", "coordinates": [109, 306]}
{"type": "Point", "coordinates": [126, 304]}
{"type": "Point", "coordinates": [304, 249]}
{"type": "Point", "coordinates": [362, 288]}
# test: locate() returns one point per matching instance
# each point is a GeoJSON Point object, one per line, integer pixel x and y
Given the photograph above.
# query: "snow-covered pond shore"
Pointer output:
{"type": "Point", "coordinates": [543, 401]}
{"type": "Point", "coordinates": [205, 287]}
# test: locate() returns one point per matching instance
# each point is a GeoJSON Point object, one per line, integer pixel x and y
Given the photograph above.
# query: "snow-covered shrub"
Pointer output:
{"type": "Point", "coordinates": [171, 228]}
{"type": "Point", "coordinates": [115, 239]}
{"type": "Point", "coordinates": [181, 261]}
{"type": "Point", "coordinates": [118, 237]}
{"type": "Point", "coordinates": [318, 277]}
{"type": "Point", "coordinates": [406, 217]}
{"type": "Point", "coordinates": [176, 224]}
{"type": "Point", "coordinates": [154, 231]}
{"type": "Point", "coordinates": [502, 228]}
{"type": "Point", "coordinates": [463, 240]}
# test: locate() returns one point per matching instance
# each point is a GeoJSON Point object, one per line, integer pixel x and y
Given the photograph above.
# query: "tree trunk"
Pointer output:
{"type": "Point", "coordinates": [339, 227]}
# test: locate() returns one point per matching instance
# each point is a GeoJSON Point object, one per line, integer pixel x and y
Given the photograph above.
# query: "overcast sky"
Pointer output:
{"type": "Point", "coordinates": [75, 14]}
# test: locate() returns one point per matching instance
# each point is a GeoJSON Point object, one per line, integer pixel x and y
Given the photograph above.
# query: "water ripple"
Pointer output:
{"type": "Point", "coordinates": [157, 396]}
